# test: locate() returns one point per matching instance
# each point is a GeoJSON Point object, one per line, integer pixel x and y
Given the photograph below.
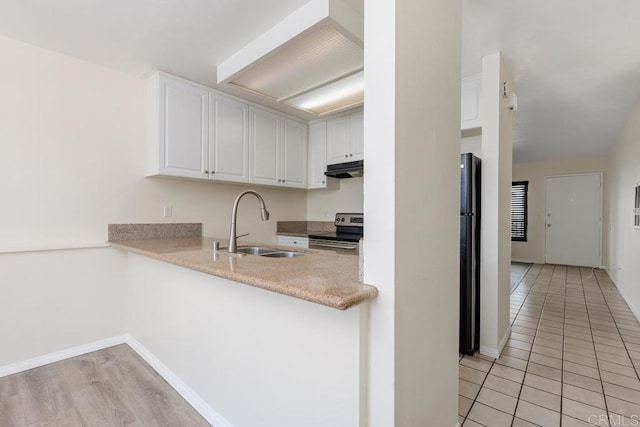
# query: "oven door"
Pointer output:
{"type": "Point", "coordinates": [334, 245]}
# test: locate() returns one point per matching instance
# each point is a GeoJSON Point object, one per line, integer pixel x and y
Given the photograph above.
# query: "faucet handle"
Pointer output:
{"type": "Point", "coordinates": [242, 235]}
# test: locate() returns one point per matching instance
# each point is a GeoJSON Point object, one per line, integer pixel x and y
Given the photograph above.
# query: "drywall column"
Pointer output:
{"type": "Point", "coordinates": [497, 147]}
{"type": "Point", "coordinates": [411, 202]}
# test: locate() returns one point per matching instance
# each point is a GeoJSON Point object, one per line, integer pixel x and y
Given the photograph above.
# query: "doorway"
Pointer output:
{"type": "Point", "coordinates": [573, 221]}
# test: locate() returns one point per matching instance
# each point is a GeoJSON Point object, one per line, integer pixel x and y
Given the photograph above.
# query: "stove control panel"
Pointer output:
{"type": "Point", "coordinates": [349, 220]}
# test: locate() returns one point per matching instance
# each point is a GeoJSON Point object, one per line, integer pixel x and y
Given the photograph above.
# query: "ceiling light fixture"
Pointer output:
{"type": "Point", "coordinates": [338, 95]}
{"type": "Point", "coordinates": [310, 60]}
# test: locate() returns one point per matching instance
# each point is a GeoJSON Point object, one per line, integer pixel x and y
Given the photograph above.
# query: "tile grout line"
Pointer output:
{"type": "Point", "coordinates": [604, 396]}
{"type": "Point", "coordinates": [475, 399]}
{"type": "Point", "coordinates": [494, 360]}
{"type": "Point", "coordinates": [616, 324]}
{"type": "Point", "coordinates": [515, 410]}
{"type": "Point", "coordinates": [525, 298]}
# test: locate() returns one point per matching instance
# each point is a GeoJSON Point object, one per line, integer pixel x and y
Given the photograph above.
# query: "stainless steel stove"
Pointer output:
{"type": "Point", "coordinates": [346, 238]}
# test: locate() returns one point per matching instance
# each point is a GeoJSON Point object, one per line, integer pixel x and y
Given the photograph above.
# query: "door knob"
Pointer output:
{"type": "Point", "coordinates": [548, 225]}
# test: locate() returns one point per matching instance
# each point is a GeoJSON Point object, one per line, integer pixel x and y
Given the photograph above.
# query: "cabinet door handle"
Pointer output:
{"type": "Point", "coordinates": [350, 155]}
{"type": "Point", "coordinates": [206, 171]}
{"type": "Point", "coordinates": [323, 182]}
{"type": "Point", "coordinates": [212, 172]}
{"type": "Point", "coordinates": [346, 155]}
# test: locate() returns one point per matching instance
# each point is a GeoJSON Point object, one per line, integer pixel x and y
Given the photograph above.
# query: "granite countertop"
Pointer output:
{"type": "Point", "coordinates": [304, 228]}
{"type": "Point", "coordinates": [322, 277]}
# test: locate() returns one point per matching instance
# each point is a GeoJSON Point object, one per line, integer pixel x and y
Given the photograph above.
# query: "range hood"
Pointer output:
{"type": "Point", "coordinates": [312, 60]}
{"type": "Point", "coordinates": [346, 170]}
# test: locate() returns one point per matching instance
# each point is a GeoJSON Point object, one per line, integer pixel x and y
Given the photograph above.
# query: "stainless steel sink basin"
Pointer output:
{"type": "Point", "coordinates": [256, 250]}
{"type": "Point", "coordinates": [284, 254]}
{"type": "Point", "coordinates": [268, 252]}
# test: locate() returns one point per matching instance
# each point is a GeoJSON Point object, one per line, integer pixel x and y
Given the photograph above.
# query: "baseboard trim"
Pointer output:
{"type": "Point", "coordinates": [207, 412]}
{"type": "Point", "coordinates": [527, 261]}
{"type": "Point", "coordinates": [496, 352]}
{"type": "Point", "coordinates": [36, 362]}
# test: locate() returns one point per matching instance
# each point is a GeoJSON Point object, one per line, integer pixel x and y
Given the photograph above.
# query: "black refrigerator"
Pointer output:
{"type": "Point", "coordinates": [470, 175]}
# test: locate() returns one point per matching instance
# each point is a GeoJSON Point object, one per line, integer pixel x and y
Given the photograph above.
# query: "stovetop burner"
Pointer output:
{"type": "Point", "coordinates": [349, 228]}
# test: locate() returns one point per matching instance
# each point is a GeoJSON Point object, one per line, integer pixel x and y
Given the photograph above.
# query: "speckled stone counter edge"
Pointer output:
{"type": "Point", "coordinates": [332, 294]}
{"type": "Point", "coordinates": [304, 228]}
{"type": "Point", "coordinates": [126, 232]}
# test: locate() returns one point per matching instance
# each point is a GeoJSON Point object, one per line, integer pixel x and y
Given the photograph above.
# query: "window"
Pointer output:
{"type": "Point", "coordinates": [636, 210]}
{"type": "Point", "coordinates": [519, 207]}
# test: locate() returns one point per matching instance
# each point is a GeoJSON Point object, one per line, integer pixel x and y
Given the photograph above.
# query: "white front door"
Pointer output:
{"type": "Point", "coordinates": [574, 220]}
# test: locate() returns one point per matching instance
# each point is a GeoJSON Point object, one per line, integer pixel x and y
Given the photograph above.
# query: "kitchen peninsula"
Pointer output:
{"type": "Point", "coordinates": [235, 346]}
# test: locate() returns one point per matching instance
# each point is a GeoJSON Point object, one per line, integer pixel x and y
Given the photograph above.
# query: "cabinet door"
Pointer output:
{"type": "Point", "coordinates": [470, 106]}
{"type": "Point", "coordinates": [300, 242]}
{"type": "Point", "coordinates": [264, 134]}
{"type": "Point", "coordinates": [183, 128]}
{"type": "Point", "coordinates": [356, 137]}
{"type": "Point", "coordinates": [294, 154]}
{"type": "Point", "coordinates": [338, 140]}
{"type": "Point", "coordinates": [229, 142]}
{"type": "Point", "coordinates": [317, 154]}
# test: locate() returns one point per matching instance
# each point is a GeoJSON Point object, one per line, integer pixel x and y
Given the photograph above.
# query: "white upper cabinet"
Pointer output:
{"type": "Point", "coordinates": [471, 99]}
{"type": "Point", "coordinates": [356, 126]}
{"type": "Point", "coordinates": [318, 157]}
{"type": "Point", "coordinates": [229, 140]}
{"type": "Point", "coordinates": [317, 154]}
{"type": "Point", "coordinates": [294, 154]}
{"type": "Point", "coordinates": [338, 130]}
{"type": "Point", "coordinates": [345, 141]}
{"type": "Point", "coordinates": [264, 132]}
{"type": "Point", "coordinates": [179, 128]}
{"type": "Point", "coordinates": [278, 150]}
{"type": "Point", "coordinates": [196, 132]}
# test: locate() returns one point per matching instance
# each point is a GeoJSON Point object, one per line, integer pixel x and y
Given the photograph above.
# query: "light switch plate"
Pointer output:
{"type": "Point", "coordinates": [167, 211]}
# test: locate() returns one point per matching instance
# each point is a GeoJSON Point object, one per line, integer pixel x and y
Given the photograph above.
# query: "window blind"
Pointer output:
{"type": "Point", "coordinates": [519, 208]}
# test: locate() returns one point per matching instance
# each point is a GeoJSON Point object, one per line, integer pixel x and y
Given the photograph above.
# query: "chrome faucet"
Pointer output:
{"type": "Point", "coordinates": [264, 213]}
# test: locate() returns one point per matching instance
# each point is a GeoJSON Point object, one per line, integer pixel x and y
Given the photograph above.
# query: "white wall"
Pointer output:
{"type": "Point", "coordinates": [73, 148]}
{"type": "Point", "coordinates": [472, 144]}
{"type": "Point", "coordinates": [72, 161]}
{"type": "Point", "coordinates": [256, 357]}
{"type": "Point", "coordinates": [495, 240]}
{"type": "Point", "coordinates": [53, 301]}
{"type": "Point", "coordinates": [411, 205]}
{"type": "Point", "coordinates": [322, 205]}
{"type": "Point", "coordinates": [623, 172]}
{"type": "Point", "coordinates": [534, 248]}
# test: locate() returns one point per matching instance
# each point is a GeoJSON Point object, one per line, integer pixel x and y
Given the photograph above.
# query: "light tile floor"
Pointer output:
{"type": "Point", "coordinates": [572, 359]}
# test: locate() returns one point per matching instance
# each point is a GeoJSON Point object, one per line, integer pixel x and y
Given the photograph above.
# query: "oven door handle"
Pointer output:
{"type": "Point", "coordinates": [333, 246]}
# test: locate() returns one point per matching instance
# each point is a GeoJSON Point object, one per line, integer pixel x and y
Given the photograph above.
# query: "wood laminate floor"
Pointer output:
{"type": "Point", "coordinates": [110, 387]}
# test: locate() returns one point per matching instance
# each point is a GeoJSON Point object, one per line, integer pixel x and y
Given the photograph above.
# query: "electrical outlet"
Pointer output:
{"type": "Point", "coordinates": [167, 211]}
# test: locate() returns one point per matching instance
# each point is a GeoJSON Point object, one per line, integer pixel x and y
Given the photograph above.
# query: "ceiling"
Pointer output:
{"type": "Point", "coordinates": [576, 65]}
{"type": "Point", "coordinates": [576, 62]}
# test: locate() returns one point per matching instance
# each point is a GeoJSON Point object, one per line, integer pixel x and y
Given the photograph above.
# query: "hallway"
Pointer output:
{"type": "Point", "coordinates": [572, 359]}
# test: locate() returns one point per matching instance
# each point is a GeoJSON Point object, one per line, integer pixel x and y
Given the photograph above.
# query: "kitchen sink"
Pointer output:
{"type": "Point", "coordinates": [283, 254]}
{"type": "Point", "coordinates": [256, 250]}
{"type": "Point", "coordinates": [268, 252]}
